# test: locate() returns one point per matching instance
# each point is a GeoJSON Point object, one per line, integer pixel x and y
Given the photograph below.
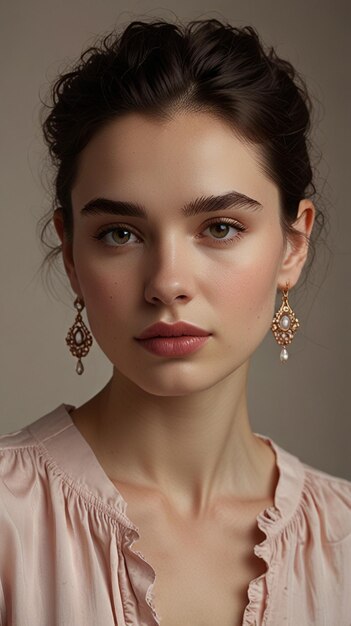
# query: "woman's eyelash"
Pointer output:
{"type": "Point", "coordinates": [229, 222]}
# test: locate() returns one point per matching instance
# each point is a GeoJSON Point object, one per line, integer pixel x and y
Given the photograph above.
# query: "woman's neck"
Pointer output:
{"type": "Point", "coordinates": [193, 449]}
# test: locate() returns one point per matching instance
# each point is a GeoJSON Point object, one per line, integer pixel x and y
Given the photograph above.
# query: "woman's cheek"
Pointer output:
{"type": "Point", "coordinates": [108, 296]}
{"type": "Point", "coordinates": [248, 289]}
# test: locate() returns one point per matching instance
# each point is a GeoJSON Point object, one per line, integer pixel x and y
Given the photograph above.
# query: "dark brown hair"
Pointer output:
{"type": "Point", "coordinates": [159, 68]}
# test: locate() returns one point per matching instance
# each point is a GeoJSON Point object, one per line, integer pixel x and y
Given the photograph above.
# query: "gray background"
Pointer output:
{"type": "Point", "coordinates": [304, 406]}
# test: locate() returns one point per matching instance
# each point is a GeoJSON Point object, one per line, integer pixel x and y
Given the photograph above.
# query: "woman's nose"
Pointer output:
{"type": "Point", "coordinates": [168, 279]}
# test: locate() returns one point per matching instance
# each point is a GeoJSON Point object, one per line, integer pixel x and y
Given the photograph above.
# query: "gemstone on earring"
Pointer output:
{"type": "Point", "coordinates": [78, 337]}
{"type": "Point", "coordinates": [284, 355]}
{"type": "Point", "coordinates": [284, 322]}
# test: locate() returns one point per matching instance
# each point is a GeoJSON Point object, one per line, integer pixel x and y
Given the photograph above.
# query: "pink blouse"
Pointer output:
{"type": "Point", "coordinates": [66, 554]}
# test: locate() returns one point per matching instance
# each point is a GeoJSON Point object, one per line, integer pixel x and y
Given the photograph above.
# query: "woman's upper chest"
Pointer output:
{"type": "Point", "coordinates": [203, 567]}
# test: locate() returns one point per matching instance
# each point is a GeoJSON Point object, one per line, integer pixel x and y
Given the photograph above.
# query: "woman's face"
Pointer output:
{"type": "Point", "coordinates": [219, 270]}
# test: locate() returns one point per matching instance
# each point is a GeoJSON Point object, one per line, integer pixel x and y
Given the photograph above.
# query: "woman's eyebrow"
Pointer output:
{"type": "Point", "coordinates": [203, 204]}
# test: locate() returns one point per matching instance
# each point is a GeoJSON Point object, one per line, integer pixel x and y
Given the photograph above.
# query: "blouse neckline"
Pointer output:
{"type": "Point", "coordinates": [67, 449]}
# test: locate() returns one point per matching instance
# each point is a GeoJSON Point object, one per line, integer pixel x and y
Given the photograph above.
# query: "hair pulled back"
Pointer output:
{"type": "Point", "coordinates": [160, 68]}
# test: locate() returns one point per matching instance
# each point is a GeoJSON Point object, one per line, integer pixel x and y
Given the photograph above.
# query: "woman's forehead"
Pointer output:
{"type": "Point", "coordinates": [199, 135]}
{"type": "Point", "coordinates": [195, 152]}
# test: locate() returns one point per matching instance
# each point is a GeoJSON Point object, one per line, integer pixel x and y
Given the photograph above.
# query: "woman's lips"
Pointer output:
{"type": "Point", "coordinates": [173, 346]}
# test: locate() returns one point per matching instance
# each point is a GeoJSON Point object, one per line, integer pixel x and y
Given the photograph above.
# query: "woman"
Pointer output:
{"type": "Point", "coordinates": [183, 206]}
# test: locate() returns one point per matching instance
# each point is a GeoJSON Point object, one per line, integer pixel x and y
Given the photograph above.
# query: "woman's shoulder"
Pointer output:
{"type": "Point", "coordinates": [331, 485]}
{"type": "Point", "coordinates": [17, 449]}
{"type": "Point", "coordinates": [311, 502]}
{"type": "Point", "coordinates": [326, 500]}
{"type": "Point", "coordinates": [15, 440]}
{"type": "Point", "coordinates": [49, 463]}
{"type": "Point", "coordinates": [19, 461]}
{"type": "Point", "coordinates": [310, 499]}
{"type": "Point", "coordinates": [32, 434]}
{"type": "Point", "coordinates": [24, 460]}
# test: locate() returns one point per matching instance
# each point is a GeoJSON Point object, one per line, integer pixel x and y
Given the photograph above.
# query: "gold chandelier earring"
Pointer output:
{"type": "Point", "coordinates": [79, 338]}
{"type": "Point", "coordinates": [284, 325]}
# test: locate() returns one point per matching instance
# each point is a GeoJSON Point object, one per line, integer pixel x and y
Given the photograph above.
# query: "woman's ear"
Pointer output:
{"type": "Point", "coordinates": [67, 251]}
{"type": "Point", "coordinates": [296, 249]}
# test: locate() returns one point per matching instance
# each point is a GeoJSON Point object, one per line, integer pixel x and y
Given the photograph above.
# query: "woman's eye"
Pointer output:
{"type": "Point", "coordinates": [116, 236]}
{"type": "Point", "coordinates": [222, 229]}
